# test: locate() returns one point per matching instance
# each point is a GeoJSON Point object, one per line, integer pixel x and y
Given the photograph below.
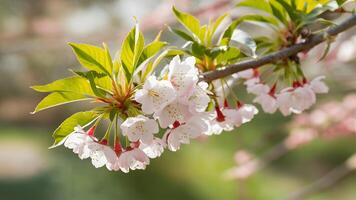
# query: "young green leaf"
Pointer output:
{"type": "Point", "coordinates": [198, 50]}
{"type": "Point", "coordinates": [67, 126]}
{"type": "Point", "coordinates": [228, 56]}
{"type": "Point", "coordinates": [293, 14]}
{"type": "Point", "coordinates": [151, 50]}
{"type": "Point", "coordinates": [151, 65]}
{"type": "Point", "coordinates": [203, 34]}
{"type": "Point", "coordinates": [259, 5]}
{"type": "Point", "coordinates": [278, 12]}
{"type": "Point", "coordinates": [191, 23]}
{"type": "Point", "coordinates": [213, 27]}
{"type": "Point", "coordinates": [244, 42]}
{"type": "Point", "coordinates": [182, 34]}
{"type": "Point", "coordinates": [131, 50]}
{"type": "Point", "coordinates": [93, 58]}
{"type": "Point", "coordinates": [59, 98]}
{"type": "Point", "coordinates": [101, 81]}
{"type": "Point", "coordinates": [73, 84]}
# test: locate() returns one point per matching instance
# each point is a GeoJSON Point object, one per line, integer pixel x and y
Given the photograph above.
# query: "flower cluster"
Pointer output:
{"type": "Point", "coordinates": [182, 108]}
{"type": "Point", "coordinates": [175, 102]}
{"type": "Point", "coordinates": [295, 99]}
{"type": "Point", "coordinates": [151, 107]}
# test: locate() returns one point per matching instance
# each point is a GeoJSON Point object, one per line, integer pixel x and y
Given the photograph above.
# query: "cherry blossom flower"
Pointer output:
{"type": "Point", "coordinates": [183, 75]}
{"type": "Point", "coordinates": [268, 103]}
{"type": "Point", "coordinates": [102, 154]}
{"type": "Point", "coordinates": [318, 86]}
{"type": "Point", "coordinates": [265, 96]}
{"type": "Point", "coordinates": [78, 141]}
{"type": "Point", "coordinates": [240, 115]}
{"type": "Point", "coordinates": [139, 128]}
{"type": "Point", "coordinates": [295, 100]}
{"type": "Point", "coordinates": [304, 98]}
{"type": "Point", "coordinates": [284, 100]}
{"type": "Point", "coordinates": [215, 127]}
{"type": "Point", "coordinates": [184, 132]}
{"type": "Point", "coordinates": [175, 111]}
{"type": "Point", "coordinates": [258, 89]}
{"type": "Point", "coordinates": [155, 149]}
{"type": "Point", "coordinates": [132, 159]}
{"type": "Point", "coordinates": [155, 95]}
{"type": "Point", "coordinates": [199, 100]}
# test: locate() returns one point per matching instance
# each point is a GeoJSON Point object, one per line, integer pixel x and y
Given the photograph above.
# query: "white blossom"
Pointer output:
{"type": "Point", "coordinates": [101, 155]}
{"type": "Point", "coordinates": [175, 111]}
{"type": "Point", "coordinates": [199, 100]}
{"type": "Point", "coordinates": [139, 128]}
{"type": "Point", "coordinates": [240, 115]}
{"type": "Point", "coordinates": [183, 133]}
{"type": "Point", "coordinates": [183, 75]}
{"type": "Point", "coordinates": [215, 127]}
{"type": "Point", "coordinates": [284, 101]}
{"type": "Point", "coordinates": [295, 100]}
{"type": "Point", "coordinates": [132, 159]}
{"type": "Point", "coordinates": [155, 95]}
{"type": "Point", "coordinates": [268, 103]}
{"type": "Point", "coordinates": [258, 88]}
{"type": "Point", "coordinates": [78, 141]}
{"type": "Point", "coordinates": [155, 149]}
{"type": "Point", "coordinates": [263, 97]}
{"type": "Point", "coordinates": [318, 86]}
{"type": "Point", "coordinates": [303, 98]}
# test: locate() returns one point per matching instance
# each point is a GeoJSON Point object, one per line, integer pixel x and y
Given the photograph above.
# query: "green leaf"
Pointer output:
{"type": "Point", "coordinates": [279, 13]}
{"type": "Point", "coordinates": [244, 42]}
{"type": "Point", "coordinates": [151, 50]}
{"type": "Point", "coordinates": [262, 19]}
{"type": "Point", "coordinates": [259, 5]}
{"type": "Point", "coordinates": [150, 66]}
{"type": "Point", "coordinates": [225, 39]}
{"type": "Point", "coordinates": [97, 91]}
{"type": "Point", "coordinates": [74, 84]}
{"type": "Point", "coordinates": [293, 15]}
{"type": "Point", "coordinates": [228, 56]}
{"type": "Point", "coordinates": [182, 34]}
{"type": "Point", "coordinates": [203, 33]}
{"type": "Point", "coordinates": [131, 50]}
{"type": "Point", "coordinates": [191, 23]}
{"type": "Point", "coordinates": [101, 81]}
{"type": "Point", "coordinates": [198, 50]}
{"type": "Point", "coordinates": [109, 64]}
{"type": "Point", "coordinates": [213, 27]}
{"type": "Point", "coordinates": [93, 58]}
{"type": "Point", "coordinates": [67, 126]}
{"type": "Point", "coordinates": [59, 98]}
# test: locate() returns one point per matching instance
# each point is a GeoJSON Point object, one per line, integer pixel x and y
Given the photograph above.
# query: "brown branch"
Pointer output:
{"type": "Point", "coordinates": [284, 53]}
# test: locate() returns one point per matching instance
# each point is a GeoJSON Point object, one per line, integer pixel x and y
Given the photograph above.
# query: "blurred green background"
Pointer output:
{"type": "Point", "coordinates": [33, 50]}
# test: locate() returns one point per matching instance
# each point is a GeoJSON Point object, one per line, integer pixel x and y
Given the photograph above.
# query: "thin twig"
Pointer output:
{"type": "Point", "coordinates": [284, 53]}
{"type": "Point", "coordinates": [326, 181]}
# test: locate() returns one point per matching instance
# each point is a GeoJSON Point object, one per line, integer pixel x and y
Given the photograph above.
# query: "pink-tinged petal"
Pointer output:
{"type": "Point", "coordinates": [176, 111]}
{"type": "Point", "coordinates": [139, 128]}
{"type": "Point", "coordinates": [318, 86]}
{"type": "Point", "coordinates": [155, 149]}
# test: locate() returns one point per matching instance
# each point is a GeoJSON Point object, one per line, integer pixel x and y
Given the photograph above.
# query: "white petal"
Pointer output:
{"type": "Point", "coordinates": [318, 86]}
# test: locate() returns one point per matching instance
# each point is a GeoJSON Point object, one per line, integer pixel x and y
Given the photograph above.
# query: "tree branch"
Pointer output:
{"type": "Point", "coordinates": [326, 181]}
{"type": "Point", "coordinates": [284, 53]}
